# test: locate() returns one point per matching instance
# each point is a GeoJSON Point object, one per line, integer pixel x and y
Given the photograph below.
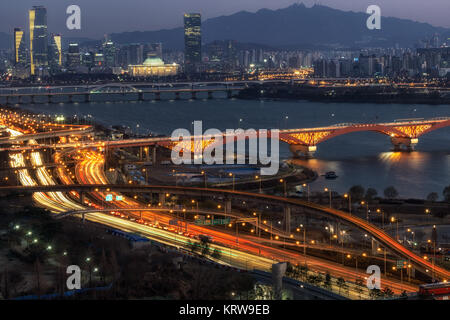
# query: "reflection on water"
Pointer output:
{"type": "Point", "coordinates": [363, 158]}
{"type": "Point", "coordinates": [413, 174]}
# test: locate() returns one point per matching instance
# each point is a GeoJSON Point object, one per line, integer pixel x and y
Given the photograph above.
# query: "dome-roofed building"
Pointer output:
{"type": "Point", "coordinates": [153, 66]}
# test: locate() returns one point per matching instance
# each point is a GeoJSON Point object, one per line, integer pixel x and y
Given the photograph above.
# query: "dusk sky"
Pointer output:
{"type": "Point", "coordinates": [106, 16]}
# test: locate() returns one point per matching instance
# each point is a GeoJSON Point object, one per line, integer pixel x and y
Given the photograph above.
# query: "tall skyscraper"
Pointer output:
{"type": "Point", "coordinates": [20, 54]}
{"type": "Point", "coordinates": [109, 52]}
{"type": "Point", "coordinates": [38, 38]}
{"type": "Point", "coordinates": [55, 53]}
{"type": "Point", "coordinates": [192, 41]}
{"type": "Point", "coordinates": [73, 57]}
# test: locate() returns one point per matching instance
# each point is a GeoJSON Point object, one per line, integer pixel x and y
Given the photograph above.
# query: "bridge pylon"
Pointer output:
{"type": "Point", "coordinates": [408, 143]}
{"type": "Point", "coordinates": [299, 150]}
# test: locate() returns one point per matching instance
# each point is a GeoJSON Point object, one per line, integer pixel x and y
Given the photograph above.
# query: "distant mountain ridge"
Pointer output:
{"type": "Point", "coordinates": [296, 26]}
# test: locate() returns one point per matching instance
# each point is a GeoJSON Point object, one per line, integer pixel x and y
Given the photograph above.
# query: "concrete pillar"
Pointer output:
{"type": "Point", "coordinates": [409, 143]}
{"type": "Point", "coordinates": [228, 206]}
{"type": "Point", "coordinates": [154, 155]}
{"type": "Point", "coordinates": [287, 218]}
{"type": "Point", "coordinates": [82, 197]}
{"type": "Point", "coordinates": [278, 271]}
{"type": "Point", "coordinates": [299, 150]}
{"type": "Point", "coordinates": [375, 246]}
{"type": "Point", "coordinates": [162, 198]}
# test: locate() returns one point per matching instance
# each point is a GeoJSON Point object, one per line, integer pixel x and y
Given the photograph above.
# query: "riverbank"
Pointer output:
{"type": "Point", "coordinates": [353, 94]}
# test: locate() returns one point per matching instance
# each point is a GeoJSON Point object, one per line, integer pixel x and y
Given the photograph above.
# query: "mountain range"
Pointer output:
{"type": "Point", "coordinates": [296, 26]}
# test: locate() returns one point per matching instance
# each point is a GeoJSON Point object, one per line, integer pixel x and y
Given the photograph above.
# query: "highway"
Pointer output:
{"type": "Point", "coordinates": [244, 251]}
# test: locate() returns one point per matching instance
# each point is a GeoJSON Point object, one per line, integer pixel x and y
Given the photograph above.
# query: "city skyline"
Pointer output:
{"type": "Point", "coordinates": [95, 25]}
{"type": "Point", "coordinates": [298, 153]}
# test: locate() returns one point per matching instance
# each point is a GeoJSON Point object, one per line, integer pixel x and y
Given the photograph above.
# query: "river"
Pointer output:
{"type": "Point", "coordinates": [363, 158]}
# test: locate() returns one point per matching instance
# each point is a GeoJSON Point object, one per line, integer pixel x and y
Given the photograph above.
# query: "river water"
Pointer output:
{"type": "Point", "coordinates": [363, 158]}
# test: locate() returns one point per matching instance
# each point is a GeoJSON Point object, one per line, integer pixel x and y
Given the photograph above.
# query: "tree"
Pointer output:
{"type": "Point", "coordinates": [371, 193]}
{"type": "Point", "coordinates": [204, 243]}
{"type": "Point", "coordinates": [390, 192]}
{"type": "Point", "coordinates": [433, 197]}
{"type": "Point", "coordinates": [446, 193]}
{"type": "Point", "coordinates": [192, 246]}
{"type": "Point", "coordinates": [387, 292]}
{"type": "Point", "coordinates": [327, 281]}
{"type": "Point", "coordinates": [359, 287]}
{"type": "Point", "coordinates": [340, 283]}
{"type": "Point", "coordinates": [216, 254]}
{"type": "Point", "coordinates": [356, 192]}
{"type": "Point", "coordinates": [303, 271]}
{"type": "Point", "coordinates": [375, 293]}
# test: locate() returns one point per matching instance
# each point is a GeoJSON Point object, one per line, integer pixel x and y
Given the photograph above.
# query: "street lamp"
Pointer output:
{"type": "Point", "coordinates": [283, 181]}
{"type": "Point", "coordinates": [367, 209]}
{"type": "Point", "coordinates": [260, 184]}
{"type": "Point", "coordinates": [428, 213]}
{"type": "Point", "coordinates": [232, 175]}
{"type": "Point", "coordinates": [347, 195]}
{"type": "Point", "coordinates": [307, 187]}
{"type": "Point", "coordinates": [382, 216]}
{"type": "Point", "coordinates": [329, 194]}
{"type": "Point", "coordinates": [204, 176]}
{"type": "Point", "coordinates": [395, 220]}
{"type": "Point", "coordinates": [259, 223]}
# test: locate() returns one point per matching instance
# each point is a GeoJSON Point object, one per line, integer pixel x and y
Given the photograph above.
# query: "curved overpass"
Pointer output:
{"type": "Point", "coordinates": [375, 232]}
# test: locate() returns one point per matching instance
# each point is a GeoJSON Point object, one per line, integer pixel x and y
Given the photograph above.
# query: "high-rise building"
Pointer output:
{"type": "Point", "coordinates": [55, 54]}
{"type": "Point", "coordinates": [109, 52]}
{"type": "Point", "coordinates": [38, 39]}
{"type": "Point", "coordinates": [192, 41]}
{"type": "Point", "coordinates": [73, 57]}
{"type": "Point", "coordinates": [20, 54]}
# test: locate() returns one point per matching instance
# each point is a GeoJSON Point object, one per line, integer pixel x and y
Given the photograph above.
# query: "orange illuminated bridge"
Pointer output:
{"type": "Point", "coordinates": [402, 133]}
{"type": "Point", "coordinates": [405, 132]}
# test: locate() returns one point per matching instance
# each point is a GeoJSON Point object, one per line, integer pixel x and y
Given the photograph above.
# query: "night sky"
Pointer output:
{"type": "Point", "coordinates": [105, 16]}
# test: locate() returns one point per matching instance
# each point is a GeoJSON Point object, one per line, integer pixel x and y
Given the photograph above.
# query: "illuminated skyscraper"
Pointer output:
{"type": "Point", "coordinates": [192, 41]}
{"type": "Point", "coordinates": [73, 57]}
{"type": "Point", "coordinates": [38, 39]}
{"type": "Point", "coordinates": [56, 52]}
{"type": "Point", "coordinates": [109, 52]}
{"type": "Point", "coordinates": [20, 54]}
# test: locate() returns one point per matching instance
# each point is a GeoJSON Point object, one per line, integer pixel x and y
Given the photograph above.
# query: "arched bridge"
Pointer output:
{"type": "Point", "coordinates": [361, 224]}
{"type": "Point", "coordinates": [304, 141]}
{"type": "Point", "coordinates": [404, 132]}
